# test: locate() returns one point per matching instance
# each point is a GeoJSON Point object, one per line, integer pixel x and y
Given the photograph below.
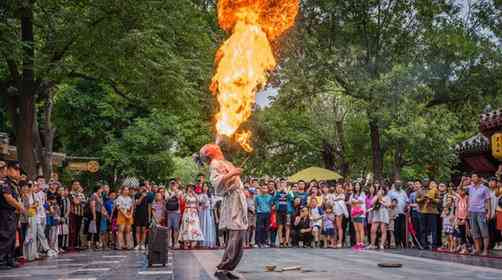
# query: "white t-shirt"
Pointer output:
{"type": "Point", "coordinates": [361, 198]}
{"type": "Point", "coordinates": [124, 203]}
{"type": "Point", "coordinates": [41, 198]}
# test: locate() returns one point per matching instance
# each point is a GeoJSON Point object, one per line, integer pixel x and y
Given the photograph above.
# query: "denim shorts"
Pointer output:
{"type": "Point", "coordinates": [328, 232]}
{"type": "Point", "coordinates": [283, 219]}
{"type": "Point", "coordinates": [173, 220]}
{"type": "Point", "coordinates": [358, 220]}
{"type": "Point", "coordinates": [479, 225]}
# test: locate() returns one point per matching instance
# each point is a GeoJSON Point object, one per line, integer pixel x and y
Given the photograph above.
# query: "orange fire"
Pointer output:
{"type": "Point", "coordinates": [245, 59]}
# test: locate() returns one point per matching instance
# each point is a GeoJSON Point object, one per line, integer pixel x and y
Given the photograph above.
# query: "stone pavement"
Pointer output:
{"type": "Point", "coordinates": [89, 265]}
{"type": "Point", "coordinates": [337, 264]}
{"type": "Point", "coordinates": [317, 264]}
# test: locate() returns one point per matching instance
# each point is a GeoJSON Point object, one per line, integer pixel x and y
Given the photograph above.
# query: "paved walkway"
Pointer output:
{"type": "Point", "coordinates": [335, 264]}
{"type": "Point", "coordinates": [316, 264]}
{"type": "Point", "coordinates": [88, 265]}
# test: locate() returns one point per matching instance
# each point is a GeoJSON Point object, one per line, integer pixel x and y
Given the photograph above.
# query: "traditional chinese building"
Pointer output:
{"type": "Point", "coordinates": [482, 153]}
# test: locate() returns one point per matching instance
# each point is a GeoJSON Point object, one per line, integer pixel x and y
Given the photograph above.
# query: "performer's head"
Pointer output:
{"type": "Point", "coordinates": [210, 152]}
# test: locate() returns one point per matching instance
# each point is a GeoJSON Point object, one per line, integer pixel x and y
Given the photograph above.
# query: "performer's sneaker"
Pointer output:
{"type": "Point", "coordinates": [12, 264]}
{"type": "Point", "coordinates": [221, 275]}
{"type": "Point", "coordinates": [232, 276]}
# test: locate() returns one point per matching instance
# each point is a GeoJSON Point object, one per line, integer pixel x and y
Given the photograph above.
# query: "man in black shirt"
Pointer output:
{"type": "Point", "coordinates": [9, 203]}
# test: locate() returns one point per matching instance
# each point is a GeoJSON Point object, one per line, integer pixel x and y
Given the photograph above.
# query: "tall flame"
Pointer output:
{"type": "Point", "coordinates": [244, 59]}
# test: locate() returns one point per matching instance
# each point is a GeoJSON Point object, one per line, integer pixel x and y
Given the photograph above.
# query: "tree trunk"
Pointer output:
{"type": "Point", "coordinates": [26, 98]}
{"type": "Point", "coordinates": [48, 133]}
{"type": "Point", "coordinates": [24, 134]}
{"type": "Point", "coordinates": [340, 151]}
{"type": "Point", "coordinates": [376, 150]}
{"type": "Point", "coordinates": [328, 155]}
{"type": "Point", "coordinates": [398, 161]}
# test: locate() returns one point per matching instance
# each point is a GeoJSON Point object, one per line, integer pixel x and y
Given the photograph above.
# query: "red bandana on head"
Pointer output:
{"type": "Point", "coordinates": [212, 151]}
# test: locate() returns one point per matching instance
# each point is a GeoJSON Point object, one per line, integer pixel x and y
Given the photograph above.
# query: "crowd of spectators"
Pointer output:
{"type": "Point", "coordinates": [422, 214]}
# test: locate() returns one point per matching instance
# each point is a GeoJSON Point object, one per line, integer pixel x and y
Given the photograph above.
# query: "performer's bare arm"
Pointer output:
{"type": "Point", "coordinates": [234, 172]}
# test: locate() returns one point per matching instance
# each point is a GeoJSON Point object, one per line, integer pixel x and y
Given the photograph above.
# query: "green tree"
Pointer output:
{"type": "Point", "coordinates": [150, 53]}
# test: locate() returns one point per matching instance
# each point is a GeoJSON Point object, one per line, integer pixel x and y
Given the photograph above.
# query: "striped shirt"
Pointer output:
{"type": "Point", "coordinates": [77, 209]}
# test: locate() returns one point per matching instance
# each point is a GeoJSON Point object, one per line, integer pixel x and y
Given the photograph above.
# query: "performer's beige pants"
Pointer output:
{"type": "Point", "coordinates": [233, 250]}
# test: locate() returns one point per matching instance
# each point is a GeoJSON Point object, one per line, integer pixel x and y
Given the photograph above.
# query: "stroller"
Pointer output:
{"type": "Point", "coordinates": [157, 245]}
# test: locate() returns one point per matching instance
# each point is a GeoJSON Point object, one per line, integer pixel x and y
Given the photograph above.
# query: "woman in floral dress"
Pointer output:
{"type": "Point", "coordinates": [190, 231]}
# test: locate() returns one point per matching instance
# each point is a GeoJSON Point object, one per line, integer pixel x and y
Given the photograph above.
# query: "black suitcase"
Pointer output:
{"type": "Point", "coordinates": [157, 245]}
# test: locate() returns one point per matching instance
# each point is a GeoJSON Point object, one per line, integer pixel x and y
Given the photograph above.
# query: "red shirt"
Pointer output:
{"type": "Point", "coordinates": [198, 189]}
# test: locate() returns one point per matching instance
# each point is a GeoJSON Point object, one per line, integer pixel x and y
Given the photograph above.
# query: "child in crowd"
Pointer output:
{"type": "Point", "coordinates": [315, 221]}
{"type": "Point", "coordinates": [106, 220]}
{"type": "Point", "coordinates": [392, 220]}
{"type": "Point", "coordinates": [328, 227]}
{"type": "Point", "coordinates": [53, 220]}
{"type": "Point", "coordinates": [448, 222]}
{"type": "Point", "coordinates": [460, 223]}
{"type": "Point", "coordinates": [64, 228]}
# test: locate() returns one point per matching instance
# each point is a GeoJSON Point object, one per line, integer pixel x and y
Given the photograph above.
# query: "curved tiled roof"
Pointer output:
{"type": "Point", "coordinates": [490, 122]}
{"type": "Point", "coordinates": [476, 144]}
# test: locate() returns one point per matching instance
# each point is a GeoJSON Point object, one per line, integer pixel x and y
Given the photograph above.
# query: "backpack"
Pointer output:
{"type": "Point", "coordinates": [173, 204]}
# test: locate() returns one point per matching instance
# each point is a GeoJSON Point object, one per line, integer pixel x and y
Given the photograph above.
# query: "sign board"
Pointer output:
{"type": "Point", "coordinates": [497, 145]}
{"type": "Point", "coordinates": [90, 166]}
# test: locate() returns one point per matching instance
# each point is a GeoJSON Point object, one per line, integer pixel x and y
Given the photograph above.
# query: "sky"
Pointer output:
{"type": "Point", "coordinates": [262, 98]}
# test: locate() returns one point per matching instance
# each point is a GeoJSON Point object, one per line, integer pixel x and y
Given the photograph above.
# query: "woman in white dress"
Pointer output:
{"type": "Point", "coordinates": [380, 217]}
{"type": "Point", "coordinates": [190, 231]}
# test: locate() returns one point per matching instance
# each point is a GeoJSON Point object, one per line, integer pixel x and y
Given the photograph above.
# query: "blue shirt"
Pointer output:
{"type": "Point", "coordinates": [413, 200]}
{"type": "Point", "coordinates": [109, 206]}
{"type": "Point", "coordinates": [263, 203]}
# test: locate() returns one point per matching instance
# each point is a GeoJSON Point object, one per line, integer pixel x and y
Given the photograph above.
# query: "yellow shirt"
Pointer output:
{"type": "Point", "coordinates": [428, 201]}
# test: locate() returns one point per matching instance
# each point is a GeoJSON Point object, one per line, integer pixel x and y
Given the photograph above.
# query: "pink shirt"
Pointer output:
{"type": "Point", "coordinates": [369, 202]}
{"type": "Point", "coordinates": [462, 208]}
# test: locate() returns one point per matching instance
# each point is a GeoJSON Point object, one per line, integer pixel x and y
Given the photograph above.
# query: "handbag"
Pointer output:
{"type": "Point", "coordinates": [92, 227]}
{"type": "Point", "coordinates": [66, 229]}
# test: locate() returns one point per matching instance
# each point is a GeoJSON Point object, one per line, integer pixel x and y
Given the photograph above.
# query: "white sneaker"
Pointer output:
{"type": "Point", "coordinates": [138, 247]}
{"type": "Point", "coordinates": [142, 247]}
{"type": "Point", "coordinates": [51, 253]}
